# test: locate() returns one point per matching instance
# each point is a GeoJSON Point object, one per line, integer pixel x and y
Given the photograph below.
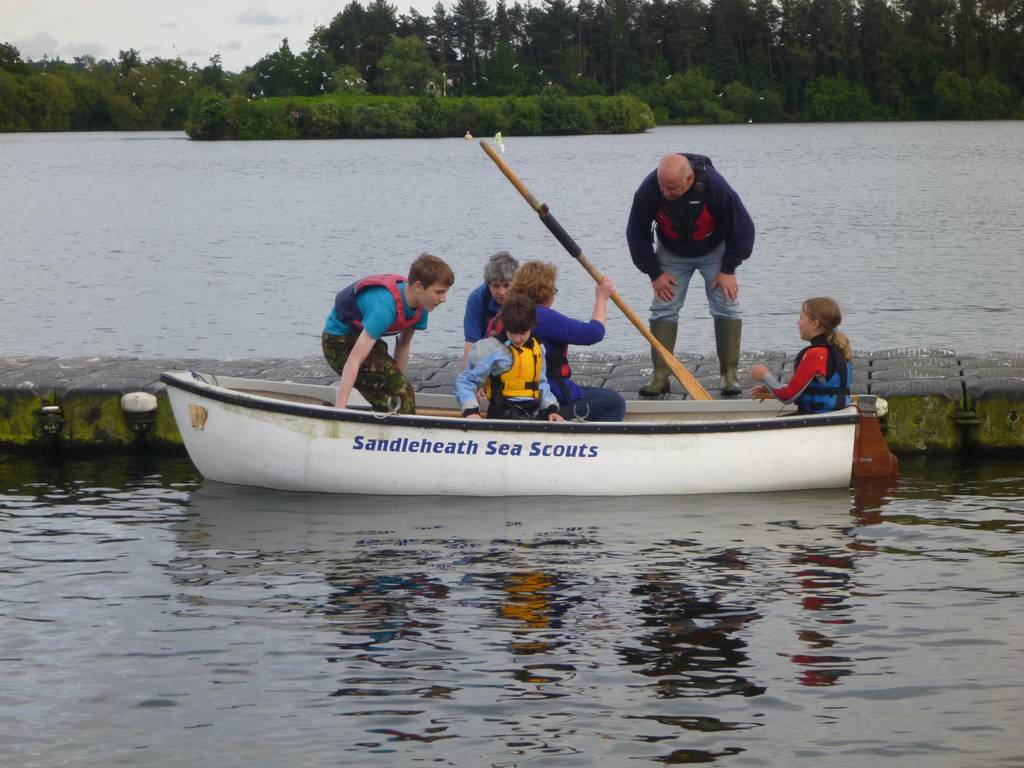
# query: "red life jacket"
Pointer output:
{"type": "Point", "coordinates": [347, 310]}
{"type": "Point", "coordinates": [688, 218]}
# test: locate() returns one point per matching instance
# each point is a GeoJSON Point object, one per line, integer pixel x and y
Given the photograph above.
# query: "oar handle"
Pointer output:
{"type": "Point", "coordinates": [687, 379]}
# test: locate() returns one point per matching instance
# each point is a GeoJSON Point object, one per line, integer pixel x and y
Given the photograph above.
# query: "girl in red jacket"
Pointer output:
{"type": "Point", "coordinates": [822, 371]}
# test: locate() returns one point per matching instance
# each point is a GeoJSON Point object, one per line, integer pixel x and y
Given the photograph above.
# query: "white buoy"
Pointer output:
{"type": "Point", "coordinates": [138, 402]}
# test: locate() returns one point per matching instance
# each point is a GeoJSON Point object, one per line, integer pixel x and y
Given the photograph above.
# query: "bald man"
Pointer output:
{"type": "Point", "coordinates": [686, 218]}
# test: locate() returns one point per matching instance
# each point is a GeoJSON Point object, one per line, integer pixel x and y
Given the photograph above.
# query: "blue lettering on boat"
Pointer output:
{"type": "Point", "coordinates": [497, 448]}
{"type": "Point", "coordinates": [560, 450]}
{"type": "Point", "coordinates": [472, 448]}
{"type": "Point", "coordinates": [421, 445]}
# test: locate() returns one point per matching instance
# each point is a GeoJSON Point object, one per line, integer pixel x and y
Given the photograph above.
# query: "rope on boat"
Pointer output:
{"type": "Point", "coordinates": [394, 403]}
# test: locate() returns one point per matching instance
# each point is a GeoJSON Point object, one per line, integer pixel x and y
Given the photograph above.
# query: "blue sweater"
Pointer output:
{"type": "Point", "coordinates": [732, 224]}
{"type": "Point", "coordinates": [473, 326]}
{"type": "Point", "coordinates": [554, 330]}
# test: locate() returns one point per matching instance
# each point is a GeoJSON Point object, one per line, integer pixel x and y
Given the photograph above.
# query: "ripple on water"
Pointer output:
{"type": "Point", "coordinates": [145, 612]}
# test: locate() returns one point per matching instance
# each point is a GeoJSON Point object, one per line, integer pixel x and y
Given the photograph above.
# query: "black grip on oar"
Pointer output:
{"type": "Point", "coordinates": [559, 232]}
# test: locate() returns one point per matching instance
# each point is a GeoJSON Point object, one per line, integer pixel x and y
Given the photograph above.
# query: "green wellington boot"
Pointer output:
{"type": "Point", "coordinates": [664, 331]}
{"type": "Point", "coordinates": [727, 342]}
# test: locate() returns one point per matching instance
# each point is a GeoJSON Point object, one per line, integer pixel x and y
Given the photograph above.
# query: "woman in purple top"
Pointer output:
{"type": "Point", "coordinates": [556, 332]}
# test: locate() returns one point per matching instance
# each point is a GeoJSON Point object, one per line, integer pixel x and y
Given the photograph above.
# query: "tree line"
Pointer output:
{"type": "Point", "coordinates": [692, 61]}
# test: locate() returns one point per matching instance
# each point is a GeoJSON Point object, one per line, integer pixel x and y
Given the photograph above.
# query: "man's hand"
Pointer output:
{"type": "Point", "coordinates": [664, 287]}
{"type": "Point", "coordinates": [730, 288]}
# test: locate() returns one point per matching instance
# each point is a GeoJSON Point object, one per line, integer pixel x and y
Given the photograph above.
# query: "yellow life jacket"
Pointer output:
{"type": "Point", "coordinates": [523, 378]}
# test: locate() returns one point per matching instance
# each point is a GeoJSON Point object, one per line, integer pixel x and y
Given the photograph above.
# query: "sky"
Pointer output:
{"type": "Point", "coordinates": [241, 31]}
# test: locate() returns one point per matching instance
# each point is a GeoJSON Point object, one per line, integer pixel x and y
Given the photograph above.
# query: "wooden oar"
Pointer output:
{"type": "Point", "coordinates": [687, 379]}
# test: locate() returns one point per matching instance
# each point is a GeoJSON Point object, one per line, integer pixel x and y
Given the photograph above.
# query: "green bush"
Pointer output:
{"type": "Point", "coordinates": [383, 120]}
{"type": "Point", "coordinates": [12, 117]}
{"type": "Point", "coordinates": [208, 116]}
{"type": "Point", "coordinates": [561, 115]}
{"type": "Point", "coordinates": [433, 120]}
{"type": "Point", "coordinates": [993, 100]}
{"type": "Point", "coordinates": [619, 114]}
{"type": "Point", "coordinates": [521, 116]}
{"type": "Point", "coordinates": [50, 103]}
{"type": "Point", "coordinates": [479, 116]}
{"type": "Point", "coordinates": [337, 115]}
{"type": "Point", "coordinates": [322, 121]}
{"type": "Point", "coordinates": [832, 99]}
{"type": "Point", "coordinates": [264, 119]}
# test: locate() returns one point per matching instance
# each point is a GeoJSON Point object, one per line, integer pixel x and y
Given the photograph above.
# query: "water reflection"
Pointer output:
{"type": "Point", "coordinates": [46, 480]}
{"type": "Point", "coordinates": [692, 642]}
{"type": "Point", "coordinates": [825, 580]}
{"type": "Point", "coordinates": [513, 600]}
{"type": "Point", "coordinates": [948, 492]}
{"type": "Point", "coordinates": [543, 631]}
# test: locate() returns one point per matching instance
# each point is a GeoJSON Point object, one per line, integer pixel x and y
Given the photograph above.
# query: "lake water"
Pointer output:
{"type": "Point", "coordinates": [149, 618]}
{"type": "Point", "coordinates": [156, 246]}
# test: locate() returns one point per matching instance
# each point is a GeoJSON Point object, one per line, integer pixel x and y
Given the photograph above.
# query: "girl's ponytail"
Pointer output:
{"type": "Point", "coordinates": [839, 340]}
{"type": "Point", "coordinates": [826, 312]}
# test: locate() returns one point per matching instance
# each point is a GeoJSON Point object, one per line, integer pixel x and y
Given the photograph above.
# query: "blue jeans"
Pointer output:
{"type": "Point", "coordinates": [597, 404]}
{"type": "Point", "coordinates": [682, 269]}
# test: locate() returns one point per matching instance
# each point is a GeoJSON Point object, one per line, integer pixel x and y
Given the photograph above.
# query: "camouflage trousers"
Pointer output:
{"type": "Point", "coordinates": [379, 379]}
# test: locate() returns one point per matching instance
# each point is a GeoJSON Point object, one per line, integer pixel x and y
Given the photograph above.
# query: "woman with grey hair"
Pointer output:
{"type": "Point", "coordinates": [485, 301]}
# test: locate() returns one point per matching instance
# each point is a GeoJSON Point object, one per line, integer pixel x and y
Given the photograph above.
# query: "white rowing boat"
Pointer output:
{"type": "Point", "coordinates": [288, 436]}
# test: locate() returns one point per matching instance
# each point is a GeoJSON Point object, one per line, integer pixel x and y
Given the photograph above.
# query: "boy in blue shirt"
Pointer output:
{"type": "Point", "coordinates": [378, 306]}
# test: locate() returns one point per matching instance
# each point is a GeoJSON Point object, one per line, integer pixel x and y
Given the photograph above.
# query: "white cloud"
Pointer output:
{"type": "Point", "coordinates": [38, 45]}
{"type": "Point", "coordinates": [260, 17]}
{"type": "Point", "coordinates": [71, 50]}
{"type": "Point", "coordinates": [242, 30]}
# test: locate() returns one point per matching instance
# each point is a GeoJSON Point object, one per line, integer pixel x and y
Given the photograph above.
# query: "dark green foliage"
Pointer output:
{"type": "Point", "coordinates": [406, 69]}
{"type": "Point", "coordinates": [361, 117]}
{"type": "Point", "coordinates": [279, 73]}
{"type": "Point", "coordinates": [522, 117]}
{"type": "Point", "coordinates": [388, 120]}
{"type": "Point", "coordinates": [961, 98]}
{"type": "Point", "coordinates": [10, 60]}
{"type": "Point", "coordinates": [691, 61]}
{"type": "Point", "coordinates": [264, 119]}
{"type": "Point", "coordinates": [208, 116]}
{"type": "Point", "coordinates": [88, 95]}
{"type": "Point", "coordinates": [433, 118]}
{"type": "Point", "coordinates": [618, 114]}
{"type": "Point", "coordinates": [12, 117]}
{"type": "Point", "coordinates": [323, 120]}
{"type": "Point", "coordinates": [560, 114]}
{"type": "Point", "coordinates": [832, 99]}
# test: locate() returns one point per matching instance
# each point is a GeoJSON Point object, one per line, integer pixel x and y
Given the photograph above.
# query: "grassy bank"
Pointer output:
{"type": "Point", "coordinates": [347, 116]}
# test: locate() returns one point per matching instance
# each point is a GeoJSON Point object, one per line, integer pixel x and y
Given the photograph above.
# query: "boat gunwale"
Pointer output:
{"type": "Point", "coordinates": [230, 396]}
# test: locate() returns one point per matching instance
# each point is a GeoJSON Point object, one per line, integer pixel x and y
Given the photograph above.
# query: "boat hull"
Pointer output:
{"type": "Point", "coordinates": [248, 439]}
